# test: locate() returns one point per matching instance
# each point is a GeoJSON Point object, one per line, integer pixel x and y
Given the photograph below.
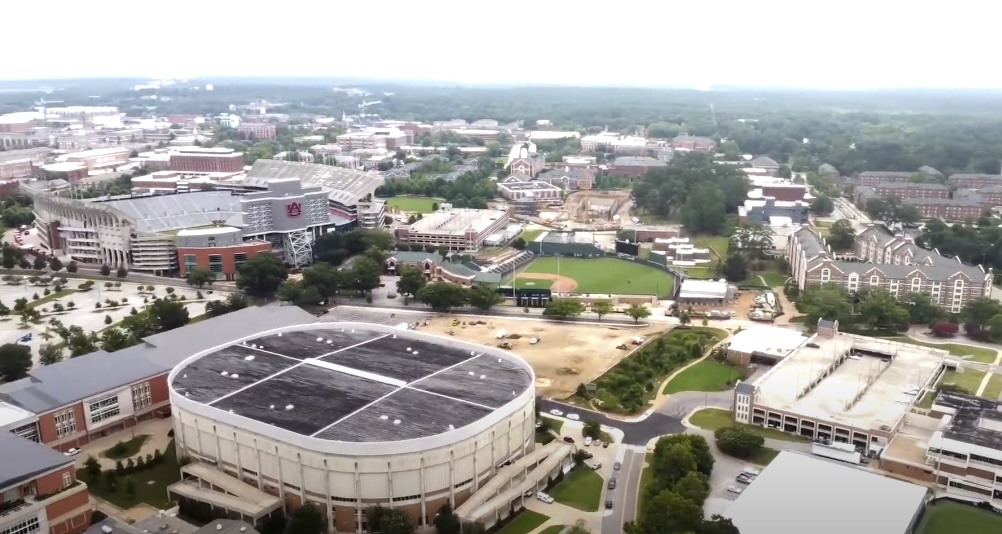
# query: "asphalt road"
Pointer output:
{"type": "Point", "coordinates": [626, 495]}
{"type": "Point", "coordinates": [634, 433]}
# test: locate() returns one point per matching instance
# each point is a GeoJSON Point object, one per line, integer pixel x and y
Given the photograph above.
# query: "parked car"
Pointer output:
{"type": "Point", "coordinates": [608, 505]}
{"type": "Point", "coordinates": [734, 489]}
{"type": "Point", "coordinates": [616, 466]}
{"type": "Point", "coordinates": [574, 417]}
{"type": "Point", "coordinates": [612, 483]}
{"type": "Point", "coordinates": [744, 479]}
{"type": "Point", "coordinates": [751, 471]}
{"type": "Point", "coordinates": [597, 466]}
{"type": "Point", "coordinates": [568, 439]}
{"type": "Point", "coordinates": [72, 452]}
{"type": "Point", "coordinates": [588, 455]}
{"type": "Point", "coordinates": [528, 493]}
{"type": "Point", "coordinates": [556, 412]}
{"type": "Point", "coordinates": [544, 497]}
{"type": "Point", "coordinates": [605, 444]}
{"type": "Point", "coordinates": [587, 442]}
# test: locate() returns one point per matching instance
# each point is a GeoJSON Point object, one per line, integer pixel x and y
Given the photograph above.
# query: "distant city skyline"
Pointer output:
{"type": "Point", "coordinates": [853, 44]}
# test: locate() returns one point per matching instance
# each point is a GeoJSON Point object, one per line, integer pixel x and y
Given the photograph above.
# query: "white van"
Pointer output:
{"type": "Point", "coordinates": [544, 497]}
{"type": "Point", "coordinates": [751, 471]}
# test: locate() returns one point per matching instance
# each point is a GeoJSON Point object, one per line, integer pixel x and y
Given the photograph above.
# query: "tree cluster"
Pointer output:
{"type": "Point", "coordinates": [738, 441]}
{"type": "Point", "coordinates": [694, 187]}
{"type": "Point", "coordinates": [624, 388]}
{"type": "Point", "coordinates": [680, 484]}
{"type": "Point", "coordinates": [336, 247]}
{"type": "Point", "coordinates": [444, 296]}
{"type": "Point", "coordinates": [470, 190]}
{"type": "Point", "coordinates": [891, 210]}
{"type": "Point", "coordinates": [16, 211]}
{"type": "Point", "coordinates": [976, 243]}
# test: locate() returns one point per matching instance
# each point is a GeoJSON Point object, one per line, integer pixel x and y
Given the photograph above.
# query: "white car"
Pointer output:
{"type": "Point", "coordinates": [574, 417]}
{"type": "Point", "coordinates": [72, 452]}
{"type": "Point", "coordinates": [544, 497]}
{"type": "Point", "coordinates": [734, 489]}
{"type": "Point", "coordinates": [588, 442]}
{"type": "Point", "coordinates": [556, 412]}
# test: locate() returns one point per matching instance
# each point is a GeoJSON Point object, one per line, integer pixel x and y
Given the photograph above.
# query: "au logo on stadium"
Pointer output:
{"type": "Point", "coordinates": [294, 209]}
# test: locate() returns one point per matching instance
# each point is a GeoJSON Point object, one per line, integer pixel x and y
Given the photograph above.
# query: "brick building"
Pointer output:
{"type": "Point", "coordinates": [257, 130]}
{"type": "Point", "coordinates": [100, 158]}
{"type": "Point", "coordinates": [902, 191]}
{"type": "Point", "coordinates": [784, 192]}
{"type": "Point", "coordinates": [873, 178]}
{"type": "Point", "coordinates": [39, 490]}
{"type": "Point", "coordinates": [974, 181]}
{"type": "Point", "coordinates": [947, 209]}
{"type": "Point", "coordinates": [197, 159]}
{"type": "Point", "coordinates": [987, 197]}
{"type": "Point", "coordinates": [569, 178]}
{"type": "Point", "coordinates": [890, 262]}
{"type": "Point", "coordinates": [16, 169]}
{"type": "Point", "coordinates": [634, 167]}
{"type": "Point", "coordinates": [220, 250]}
{"type": "Point", "coordinates": [694, 143]}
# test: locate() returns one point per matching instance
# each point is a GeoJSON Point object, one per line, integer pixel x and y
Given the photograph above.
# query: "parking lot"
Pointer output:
{"type": "Point", "coordinates": [725, 470]}
{"type": "Point", "coordinates": [84, 313]}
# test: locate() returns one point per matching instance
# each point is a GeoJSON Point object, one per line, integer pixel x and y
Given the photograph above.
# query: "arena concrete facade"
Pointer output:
{"type": "Point", "coordinates": [352, 415]}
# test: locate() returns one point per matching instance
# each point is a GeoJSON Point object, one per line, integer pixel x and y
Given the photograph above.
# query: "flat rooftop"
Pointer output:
{"type": "Point", "coordinates": [353, 385]}
{"type": "Point", "coordinates": [568, 237]}
{"type": "Point", "coordinates": [798, 486]}
{"type": "Point", "coordinates": [882, 403]}
{"type": "Point", "coordinates": [529, 186]}
{"type": "Point", "coordinates": [456, 221]}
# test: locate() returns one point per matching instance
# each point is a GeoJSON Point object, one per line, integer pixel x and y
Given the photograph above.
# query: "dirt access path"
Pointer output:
{"type": "Point", "coordinates": [561, 284]}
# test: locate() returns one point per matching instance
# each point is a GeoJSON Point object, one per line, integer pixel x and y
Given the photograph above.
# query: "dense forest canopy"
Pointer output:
{"type": "Point", "coordinates": [953, 131]}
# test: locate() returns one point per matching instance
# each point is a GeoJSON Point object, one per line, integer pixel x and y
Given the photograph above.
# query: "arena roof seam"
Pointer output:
{"type": "Point", "coordinates": [408, 387]}
{"type": "Point", "coordinates": [259, 349]}
{"type": "Point", "coordinates": [290, 368]}
{"type": "Point", "coordinates": [471, 403]}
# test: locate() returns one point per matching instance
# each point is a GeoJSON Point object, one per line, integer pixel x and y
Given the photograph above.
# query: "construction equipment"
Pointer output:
{"type": "Point", "coordinates": [622, 346]}
{"type": "Point", "coordinates": [533, 341]}
{"type": "Point", "coordinates": [505, 345]}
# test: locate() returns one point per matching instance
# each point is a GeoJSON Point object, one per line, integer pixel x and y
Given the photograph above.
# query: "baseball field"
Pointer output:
{"type": "Point", "coordinates": [595, 275]}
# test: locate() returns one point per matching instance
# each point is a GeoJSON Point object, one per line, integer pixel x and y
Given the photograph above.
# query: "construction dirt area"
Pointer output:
{"type": "Point", "coordinates": [560, 365]}
{"type": "Point", "coordinates": [597, 207]}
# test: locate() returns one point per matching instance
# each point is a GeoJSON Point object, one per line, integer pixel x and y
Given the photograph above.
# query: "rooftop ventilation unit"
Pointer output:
{"type": "Point", "coordinates": [289, 407]}
{"type": "Point", "coordinates": [234, 375]}
{"type": "Point", "coordinates": [384, 418]}
{"type": "Point", "coordinates": [224, 373]}
{"type": "Point", "coordinates": [320, 340]}
{"type": "Point", "coordinates": [396, 421]}
{"type": "Point", "coordinates": [250, 358]}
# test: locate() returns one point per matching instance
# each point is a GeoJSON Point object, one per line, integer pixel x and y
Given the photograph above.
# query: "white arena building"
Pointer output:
{"type": "Point", "coordinates": [348, 416]}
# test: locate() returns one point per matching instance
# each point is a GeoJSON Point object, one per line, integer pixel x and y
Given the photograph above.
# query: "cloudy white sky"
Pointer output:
{"type": "Point", "coordinates": [799, 43]}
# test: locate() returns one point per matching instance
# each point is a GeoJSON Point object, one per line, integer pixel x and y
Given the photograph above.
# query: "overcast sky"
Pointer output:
{"type": "Point", "coordinates": [793, 43]}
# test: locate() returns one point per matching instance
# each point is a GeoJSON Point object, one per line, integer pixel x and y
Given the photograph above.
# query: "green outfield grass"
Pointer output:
{"type": "Point", "coordinates": [947, 517]}
{"type": "Point", "coordinates": [531, 235]}
{"type": "Point", "coordinates": [606, 275]}
{"type": "Point", "coordinates": [414, 204]}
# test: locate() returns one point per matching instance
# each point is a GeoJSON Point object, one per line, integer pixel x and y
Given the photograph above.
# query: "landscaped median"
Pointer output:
{"type": "Point", "coordinates": [581, 489]}
{"type": "Point", "coordinates": [707, 375]}
{"type": "Point", "coordinates": [526, 522]}
{"type": "Point", "coordinates": [713, 419]}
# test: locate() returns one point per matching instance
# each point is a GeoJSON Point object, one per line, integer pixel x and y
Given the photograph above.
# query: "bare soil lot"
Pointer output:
{"type": "Point", "coordinates": [566, 354]}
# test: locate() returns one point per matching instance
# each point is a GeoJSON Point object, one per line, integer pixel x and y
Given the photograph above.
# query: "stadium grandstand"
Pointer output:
{"type": "Point", "coordinates": [287, 204]}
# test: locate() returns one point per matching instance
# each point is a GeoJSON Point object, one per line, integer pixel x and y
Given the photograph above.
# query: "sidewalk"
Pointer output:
{"type": "Point", "coordinates": [156, 429]}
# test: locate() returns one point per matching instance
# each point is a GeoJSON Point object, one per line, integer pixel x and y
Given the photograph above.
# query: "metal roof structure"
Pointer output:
{"type": "Point", "coordinates": [53, 386]}
{"type": "Point", "coordinates": [850, 499]}
{"type": "Point", "coordinates": [25, 459]}
{"type": "Point", "coordinates": [352, 384]}
{"type": "Point", "coordinates": [166, 213]}
{"type": "Point", "coordinates": [346, 186]}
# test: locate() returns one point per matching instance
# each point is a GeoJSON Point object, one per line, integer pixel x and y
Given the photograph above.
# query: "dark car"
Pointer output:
{"type": "Point", "coordinates": [612, 483]}
{"type": "Point", "coordinates": [568, 439]}
{"type": "Point", "coordinates": [608, 505]}
{"type": "Point", "coordinates": [605, 444]}
{"type": "Point", "coordinates": [588, 455]}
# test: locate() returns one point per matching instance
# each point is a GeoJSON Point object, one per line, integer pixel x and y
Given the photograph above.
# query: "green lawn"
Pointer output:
{"type": "Point", "coordinates": [154, 494]}
{"type": "Point", "coordinates": [414, 204]}
{"type": "Point", "coordinates": [554, 424]}
{"type": "Point", "coordinates": [531, 235]}
{"type": "Point", "coordinates": [764, 456]}
{"type": "Point", "coordinates": [714, 418]}
{"type": "Point", "coordinates": [947, 517]}
{"type": "Point", "coordinates": [701, 272]}
{"type": "Point", "coordinates": [926, 401]}
{"type": "Point", "coordinates": [607, 275]}
{"type": "Point", "coordinates": [769, 278]}
{"type": "Point", "coordinates": [977, 354]}
{"type": "Point", "coordinates": [126, 449]}
{"type": "Point", "coordinates": [994, 388]}
{"type": "Point", "coordinates": [969, 380]}
{"type": "Point", "coordinates": [526, 522]}
{"type": "Point", "coordinates": [522, 283]}
{"type": "Point", "coordinates": [646, 477]}
{"type": "Point", "coordinates": [718, 244]}
{"type": "Point", "coordinates": [581, 489]}
{"type": "Point", "coordinates": [553, 529]}
{"type": "Point", "coordinates": [706, 375]}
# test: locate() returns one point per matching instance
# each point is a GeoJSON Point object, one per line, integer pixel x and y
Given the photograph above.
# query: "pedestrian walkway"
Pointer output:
{"type": "Point", "coordinates": [155, 429]}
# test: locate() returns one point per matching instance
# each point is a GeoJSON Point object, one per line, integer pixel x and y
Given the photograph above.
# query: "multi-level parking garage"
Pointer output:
{"type": "Point", "coordinates": [348, 416]}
